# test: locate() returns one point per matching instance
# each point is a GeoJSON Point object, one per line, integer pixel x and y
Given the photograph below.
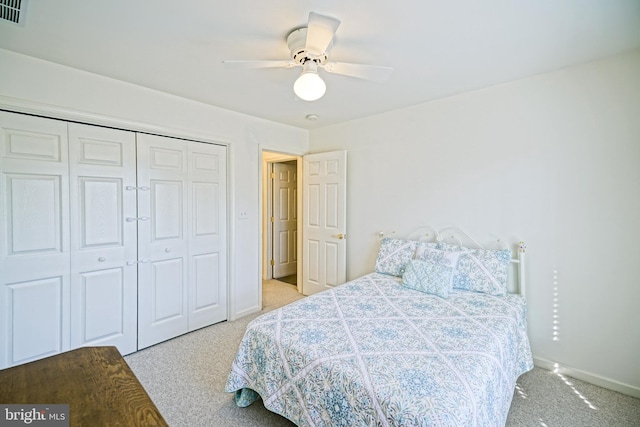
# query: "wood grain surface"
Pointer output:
{"type": "Point", "coordinates": [96, 382]}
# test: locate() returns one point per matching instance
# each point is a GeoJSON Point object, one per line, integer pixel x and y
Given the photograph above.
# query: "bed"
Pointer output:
{"type": "Point", "coordinates": [435, 336]}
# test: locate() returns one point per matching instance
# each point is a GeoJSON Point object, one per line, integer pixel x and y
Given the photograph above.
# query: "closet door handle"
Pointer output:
{"type": "Point", "coordinates": [142, 218]}
{"type": "Point", "coordinates": [142, 261]}
{"type": "Point", "coordinates": [131, 188]}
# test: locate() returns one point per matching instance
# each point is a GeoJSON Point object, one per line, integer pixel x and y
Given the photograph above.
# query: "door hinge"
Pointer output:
{"type": "Point", "coordinates": [273, 262]}
{"type": "Point", "coordinates": [273, 175]}
{"type": "Point", "coordinates": [272, 219]}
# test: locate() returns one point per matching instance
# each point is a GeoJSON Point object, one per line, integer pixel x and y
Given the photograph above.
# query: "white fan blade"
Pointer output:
{"type": "Point", "coordinates": [374, 73]}
{"type": "Point", "coordinates": [320, 32]}
{"type": "Point", "coordinates": [260, 64]}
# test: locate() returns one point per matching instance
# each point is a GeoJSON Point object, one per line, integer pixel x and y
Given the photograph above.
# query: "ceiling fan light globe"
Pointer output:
{"type": "Point", "coordinates": [309, 86]}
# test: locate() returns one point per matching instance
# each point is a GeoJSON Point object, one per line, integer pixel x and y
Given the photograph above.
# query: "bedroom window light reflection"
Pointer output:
{"type": "Point", "coordinates": [556, 305]}
{"type": "Point", "coordinates": [521, 391]}
{"type": "Point", "coordinates": [556, 371]}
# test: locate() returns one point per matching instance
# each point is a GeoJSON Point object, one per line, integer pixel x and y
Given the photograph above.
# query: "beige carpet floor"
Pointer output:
{"type": "Point", "coordinates": [185, 377]}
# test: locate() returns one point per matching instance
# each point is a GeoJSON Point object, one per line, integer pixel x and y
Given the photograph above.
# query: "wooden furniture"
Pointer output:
{"type": "Point", "coordinates": [96, 382]}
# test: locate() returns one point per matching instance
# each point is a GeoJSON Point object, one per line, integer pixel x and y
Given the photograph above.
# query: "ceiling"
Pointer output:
{"type": "Point", "coordinates": [437, 48]}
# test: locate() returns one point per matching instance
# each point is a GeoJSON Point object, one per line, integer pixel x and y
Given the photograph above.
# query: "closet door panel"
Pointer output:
{"type": "Point", "coordinates": [167, 297]}
{"type": "Point", "coordinates": [207, 229]}
{"type": "Point", "coordinates": [33, 139]}
{"type": "Point", "coordinates": [162, 239]}
{"type": "Point", "coordinates": [103, 237]}
{"type": "Point", "coordinates": [167, 207]}
{"type": "Point", "coordinates": [100, 209]}
{"type": "Point", "coordinates": [102, 300]}
{"type": "Point", "coordinates": [34, 215]}
{"type": "Point", "coordinates": [34, 238]}
{"type": "Point", "coordinates": [38, 327]}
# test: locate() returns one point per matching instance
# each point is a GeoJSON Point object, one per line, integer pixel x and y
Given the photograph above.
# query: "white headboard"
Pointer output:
{"type": "Point", "coordinates": [456, 236]}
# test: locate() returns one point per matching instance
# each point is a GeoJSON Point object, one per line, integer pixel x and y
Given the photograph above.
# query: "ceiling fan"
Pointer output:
{"type": "Point", "coordinates": [309, 47]}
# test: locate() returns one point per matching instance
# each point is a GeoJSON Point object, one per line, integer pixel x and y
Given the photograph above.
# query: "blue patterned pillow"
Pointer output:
{"type": "Point", "coordinates": [481, 270]}
{"type": "Point", "coordinates": [393, 256]}
{"type": "Point", "coordinates": [439, 257]}
{"type": "Point", "coordinates": [428, 276]}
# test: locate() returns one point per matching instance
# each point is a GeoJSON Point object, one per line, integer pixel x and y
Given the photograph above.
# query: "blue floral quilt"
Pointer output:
{"type": "Point", "coordinates": [374, 353]}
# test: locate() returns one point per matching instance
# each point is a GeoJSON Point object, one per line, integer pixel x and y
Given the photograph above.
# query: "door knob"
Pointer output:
{"type": "Point", "coordinates": [340, 236]}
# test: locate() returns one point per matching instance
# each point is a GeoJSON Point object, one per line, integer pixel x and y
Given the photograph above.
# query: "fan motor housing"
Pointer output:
{"type": "Point", "coordinates": [297, 41]}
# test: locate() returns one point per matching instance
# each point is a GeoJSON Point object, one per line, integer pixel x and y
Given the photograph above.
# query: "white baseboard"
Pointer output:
{"type": "Point", "coordinates": [246, 312]}
{"type": "Point", "coordinates": [587, 377]}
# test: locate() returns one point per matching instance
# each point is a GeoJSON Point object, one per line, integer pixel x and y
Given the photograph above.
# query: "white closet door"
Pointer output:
{"type": "Point", "coordinates": [34, 238]}
{"type": "Point", "coordinates": [206, 187]}
{"type": "Point", "coordinates": [92, 253]}
{"type": "Point", "coordinates": [181, 237]}
{"type": "Point", "coordinates": [162, 239]}
{"type": "Point", "coordinates": [103, 237]}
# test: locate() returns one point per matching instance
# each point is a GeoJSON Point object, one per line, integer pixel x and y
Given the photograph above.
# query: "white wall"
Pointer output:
{"type": "Point", "coordinates": [26, 81]}
{"type": "Point", "coordinates": [553, 160]}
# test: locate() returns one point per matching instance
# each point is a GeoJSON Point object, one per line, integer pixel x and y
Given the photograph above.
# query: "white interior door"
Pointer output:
{"type": "Point", "coordinates": [103, 196]}
{"type": "Point", "coordinates": [34, 238]}
{"type": "Point", "coordinates": [285, 219]}
{"type": "Point", "coordinates": [324, 218]}
{"type": "Point", "coordinates": [181, 237]}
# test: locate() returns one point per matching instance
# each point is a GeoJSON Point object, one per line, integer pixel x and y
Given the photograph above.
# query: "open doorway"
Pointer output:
{"type": "Point", "coordinates": [280, 218]}
{"type": "Point", "coordinates": [320, 245]}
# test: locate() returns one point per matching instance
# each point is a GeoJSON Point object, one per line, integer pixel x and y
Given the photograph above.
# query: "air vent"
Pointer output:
{"type": "Point", "coordinates": [12, 10]}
